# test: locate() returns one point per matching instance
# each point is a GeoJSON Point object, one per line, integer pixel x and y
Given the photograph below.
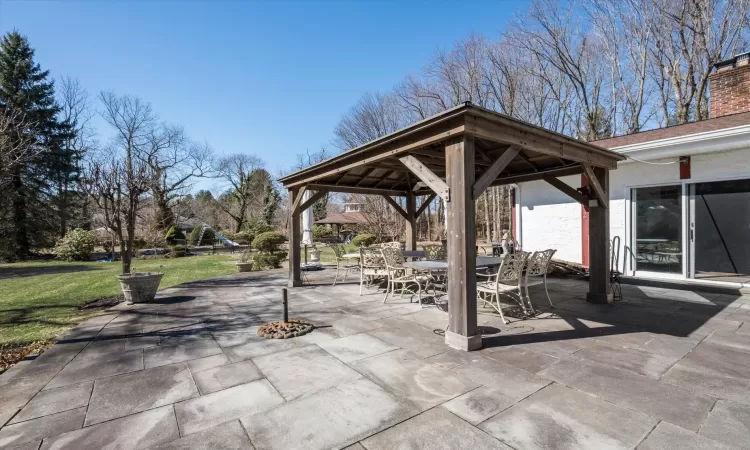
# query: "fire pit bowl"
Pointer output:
{"type": "Point", "coordinates": [285, 330]}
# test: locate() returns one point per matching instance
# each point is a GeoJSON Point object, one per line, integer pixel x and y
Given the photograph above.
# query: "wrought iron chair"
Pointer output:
{"type": "Point", "coordinates": [506, 282]}
{"type": "Point", "coordinates": [536, 266]}
{"type": "Point", "coordinates": [393, 244]}
{"type": "Point", "coordinates": [394, 263]}
{"type": "Point", "coordinates": [615, 276]}
{"type": "Point", "coordinates": [343, 263]}
{"type": "Point", "coordinates": [435, 253]}
{"type": "Point", "coordinates": [371, 266]}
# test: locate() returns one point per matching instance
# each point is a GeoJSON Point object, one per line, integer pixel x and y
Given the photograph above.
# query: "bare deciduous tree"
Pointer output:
{"type": "Point", "coordinates": [373, 116]}
{"type": "Point", "coordinates": [245, 178]}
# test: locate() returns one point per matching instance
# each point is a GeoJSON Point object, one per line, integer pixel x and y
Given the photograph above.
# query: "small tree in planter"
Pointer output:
{"type": "Point", "coordinates": [269, 256]}
{"type": "Point", "coordinates": [245, 264]}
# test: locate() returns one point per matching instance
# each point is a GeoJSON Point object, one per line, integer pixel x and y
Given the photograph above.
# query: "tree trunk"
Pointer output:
{"type": "Point", "coordinates": [164, 217]}
{"type": "Point", "coordinates": [487, 236]}
{"type": "Point", "coordinates": [429, 219]}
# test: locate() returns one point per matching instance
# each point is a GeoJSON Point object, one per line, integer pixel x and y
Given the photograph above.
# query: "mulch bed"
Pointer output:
{"type": "Point", "coordinates": [12, 353]}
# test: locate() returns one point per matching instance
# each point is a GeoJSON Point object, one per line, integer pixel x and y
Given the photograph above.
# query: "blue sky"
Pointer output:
{"type": "Point", "coordinates": [268, 78]}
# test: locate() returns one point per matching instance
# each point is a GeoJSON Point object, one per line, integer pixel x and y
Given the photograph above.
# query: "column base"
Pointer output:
{"type": "Point", "coordinates": [461, 342]}
{"type": "Point", "coordinates": [294, 283]}
{"type": "Point", "coordinates": [599, 298]}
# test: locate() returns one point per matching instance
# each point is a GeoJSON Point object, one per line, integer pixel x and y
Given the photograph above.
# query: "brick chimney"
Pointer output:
{"type": "Point", "coordinates": [730, 86]}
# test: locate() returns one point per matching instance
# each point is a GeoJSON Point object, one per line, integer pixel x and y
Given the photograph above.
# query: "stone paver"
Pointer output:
{"type": "Point", "coordinates": [213, 409]}
{"type": "Point", "coordinates": [179, 352]}
{"type": "Point", "coordinates": [560, 417]}
{"type": "Point", "coordinates": [637, 392]}
{"type": "Point", "coordinates": [140, 430]}
{"type": "Point", "coordinates": [671, 437]}
{"type": "Point", "coordinates": [332, 418]}
{"type": "Point", "coordinates": [84, 369]}
{"type": "Point", "coordinates": [55, 401]}
{"type": "Point", "coordinates": [42, 427]}
{"type": "Point", "coordinates": [729, 423]}
{"type": "Point", "coordinates": [138, 391]}
{"type": "Point", "coordinates": [255, 349]}
{"type": "Point", "coordinates": [304, 371]}
{"type": "Point", "coordinates": [227, 436]}
{"type": "Point", "coordinates": [661, 369]}
{"type": "Point", "coordinates": [356, 347]}
{"type": "Point", "coordinates": [436, 429]}
{"type": "Point", "coordinates": [222, 377]}
{"type": "Point", "coordinates": [420, 382]}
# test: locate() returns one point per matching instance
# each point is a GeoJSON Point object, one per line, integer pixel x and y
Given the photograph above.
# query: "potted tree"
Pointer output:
{"type": "Point", "coordinates": [245, 264]}
{"type": "Point", "coordinates": [118, 178]}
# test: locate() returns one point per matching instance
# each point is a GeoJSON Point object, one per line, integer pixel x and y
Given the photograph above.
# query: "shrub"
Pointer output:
{"type": "Point", "coordinates": [364, 240]}
{"type": "Point", "coordinates": [208, 237]}
{"type": "Point", "coordinates": [242, 238]}
{"type": "Point", "coordinates": [178, 251]}
{"type": "Point", "coordinates": [174, 234]}
{"type": "Point", "coordinates": [76, 245]}
{"type": "Point", "coordinates": [194, 235]}
{"type": "Point", "coordinates": [257, 227]}
{"type": "Point", "coordinates": [322, 231]}
{"type": "Point", "coordinates": [139, 243]}
{"type": "Point", "coordinates": [269, 241]}
{"type": "Point", "coordinates": [268, 260]}
{"type": "Point", "coordinates": [155, 239]}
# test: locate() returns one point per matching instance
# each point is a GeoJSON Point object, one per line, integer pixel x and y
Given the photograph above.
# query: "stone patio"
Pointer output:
{"type": "Point", "coordinates": [662, 369]}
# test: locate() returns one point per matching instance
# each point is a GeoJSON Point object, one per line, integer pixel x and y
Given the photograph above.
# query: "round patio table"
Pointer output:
{"type": "Point", "coordinates": [351, 255]}
{"type": "Point", "coordinates": [442, 264]}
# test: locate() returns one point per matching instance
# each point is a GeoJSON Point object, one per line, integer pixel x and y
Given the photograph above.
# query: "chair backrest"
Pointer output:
{"type": "Point", "coordinates": [371, 257]}
{"type": "Point", "coordinates": [393, 257]}
{"type": "Point", "coordinates": [434, 252]}
{"type": "Point", "coordinates": [614, 255]}
{"type": "Point", "coordinates": [338, 250]}
{"type": "Point", "coordinates": [538, 263]}
{"type": "Point", "coordinates": [511, 268]}
{"type": "Point", "coordinates": [394, 244]}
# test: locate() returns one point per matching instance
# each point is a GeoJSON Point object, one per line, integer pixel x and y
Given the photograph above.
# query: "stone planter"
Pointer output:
{"type": "Point", "coordinates": [140, 287]}
{"type": "Point", "coordinates": [315, 256]}
{"type": "Point", "coordinates": [245, 266]}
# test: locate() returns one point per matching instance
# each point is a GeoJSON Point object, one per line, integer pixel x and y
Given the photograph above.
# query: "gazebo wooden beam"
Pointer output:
{"type": "Point", "coordinates": [462, 332]}
{"type": "Point", "coordinates": [356, 190]}
{"type": "Point", "coordinates": [599, 191]}
{"type": "Point", "coordinates": [427, 176]}
{"type": "Point", "coordinates": [531, 176]}
{"type": "Point", "coordinates": [315, 197]}
{"type": "Point", "coordinates": [567, 190]}
{"type": "Point", "coordinates": [295, 237]}
{"type": "Point", "coordinates": [599, 288]}
{"type": "Point", "coordinates": [425, 203]}
{"type": "Point", "coordinates": [297, 199]}
{"type": "Point", "coordinates": [494, 171]}
{"type": "Point", "coordinates": [395, 205]}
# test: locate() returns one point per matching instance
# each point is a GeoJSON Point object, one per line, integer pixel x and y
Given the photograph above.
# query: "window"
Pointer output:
{"type": "Point", "coordinates": [657, 229]}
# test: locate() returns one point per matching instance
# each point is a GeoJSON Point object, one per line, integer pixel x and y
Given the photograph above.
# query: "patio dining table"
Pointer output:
{"type": "Point", "coordinates": [442, 264]}
{"type": "Point", "coordinates": [406, 253]}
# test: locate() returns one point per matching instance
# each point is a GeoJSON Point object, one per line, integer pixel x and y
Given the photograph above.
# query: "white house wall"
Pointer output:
{"type": "Point", "coordinates": [550, 219]}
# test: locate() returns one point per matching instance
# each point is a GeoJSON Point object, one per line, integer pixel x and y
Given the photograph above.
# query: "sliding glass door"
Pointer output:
{"type": "Point", "coordinates": [719, 230]}
{"type": "Point", "coordinates": [657, 229]}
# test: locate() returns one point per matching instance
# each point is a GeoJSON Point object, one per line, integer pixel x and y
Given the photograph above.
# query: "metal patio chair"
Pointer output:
{"type": "Point", "coordinates": [371, 266]}
{"type": "Point", "coordinates": [536, 266]}
{"type": "Point", "coordinates": [506, 283]}
{"type": "Point", "coordinates": [394, 262]}
{"type": "Point", "coordinates": [343, 263]}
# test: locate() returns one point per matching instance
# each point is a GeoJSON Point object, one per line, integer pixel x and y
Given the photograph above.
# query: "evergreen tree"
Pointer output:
{"type": "Point", "coordinates": [271, 199]}
{"type": "Point", "coordinates": [28, 94]}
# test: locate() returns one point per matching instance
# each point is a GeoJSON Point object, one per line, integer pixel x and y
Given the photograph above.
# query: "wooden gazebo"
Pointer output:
{"type": "Point", "coordinates": [456, 155]}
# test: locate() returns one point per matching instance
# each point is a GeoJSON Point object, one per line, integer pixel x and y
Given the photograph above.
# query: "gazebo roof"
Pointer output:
{"type": "Point", "coordinates": [344, 218]}
{"type": "Point", "coordinates": [378, 166]}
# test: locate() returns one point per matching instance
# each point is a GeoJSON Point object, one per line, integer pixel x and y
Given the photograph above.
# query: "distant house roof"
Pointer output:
{"type": "Point", "coordinates": [188, 223]}
{"type": "Point", "coordinates": [718, 123]}
{"type": "Point", "coordinates": [348, 217]}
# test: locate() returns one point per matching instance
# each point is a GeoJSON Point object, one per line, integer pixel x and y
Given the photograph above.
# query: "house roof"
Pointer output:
{"type": "Point", "coordinates": [378, 168]}
{"type": "Point", "coordinates": [717, 123]}
{"type": "Point", "coordinates": [344, 218]}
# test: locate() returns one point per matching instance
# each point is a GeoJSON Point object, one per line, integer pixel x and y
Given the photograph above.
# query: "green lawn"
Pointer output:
{"type": "Point", "coordinates": [39, 300]}
{"type": "Point", "coordinates": [326, 253]}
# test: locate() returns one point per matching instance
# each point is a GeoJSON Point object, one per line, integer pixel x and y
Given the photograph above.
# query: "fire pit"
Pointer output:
{"type": "Point", "coordinates": [285, 330]}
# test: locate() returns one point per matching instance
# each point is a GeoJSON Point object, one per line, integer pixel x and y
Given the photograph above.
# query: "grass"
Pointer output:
{"type": "Point", "coordinates": [39, 300]}
{"type": "Point", "coordinates": [326, 253]}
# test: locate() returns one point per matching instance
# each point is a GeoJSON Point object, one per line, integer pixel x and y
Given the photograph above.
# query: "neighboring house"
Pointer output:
{"type": "Point", "coordinates": [681, 202]}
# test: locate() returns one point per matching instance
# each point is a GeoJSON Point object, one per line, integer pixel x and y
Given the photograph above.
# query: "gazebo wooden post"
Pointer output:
{"type": "Point", "coordinates": [599, 289]}
{"type": "Point", "coordinates": [462, 330]}
{"type": "Point", "coordinates": [411, 221]}
{"type": "Point", "coordinates": [295, 231]}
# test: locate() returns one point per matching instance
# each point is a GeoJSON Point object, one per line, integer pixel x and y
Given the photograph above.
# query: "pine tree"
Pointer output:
{"type": "Point", "coordinates": [28, 94]}
{"type": "Point", "coordinates": [271, 199]}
